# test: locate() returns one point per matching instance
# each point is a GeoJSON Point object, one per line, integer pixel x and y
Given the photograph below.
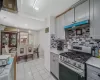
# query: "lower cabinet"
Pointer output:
{"type": "Point", "coordinates": [54, 64]}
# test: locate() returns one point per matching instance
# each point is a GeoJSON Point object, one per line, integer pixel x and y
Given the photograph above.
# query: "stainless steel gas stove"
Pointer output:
{"type": "Point", "coordinates": [75, 59]}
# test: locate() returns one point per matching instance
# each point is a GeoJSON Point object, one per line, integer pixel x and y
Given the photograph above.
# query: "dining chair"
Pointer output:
{"type": "Point", "coordinates": [29, 51]}
{"type": "Point", "coordinates": [21, 53]}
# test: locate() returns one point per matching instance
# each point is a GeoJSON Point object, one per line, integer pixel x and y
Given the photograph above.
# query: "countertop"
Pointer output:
{"type": "Point", "coordinates": [5, 75]}
{"type": "Point", "coordinates": [94, 62]}
{"type": "Point", "coordinates": [54, 50]}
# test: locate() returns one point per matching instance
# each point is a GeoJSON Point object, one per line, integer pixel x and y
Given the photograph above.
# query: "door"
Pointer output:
{"type": "Point", "coordinates": [69, 17]}
{"type": "Point", "coordinates": [67, 74]}
{"type": "Point", "coordinates": [82, 11]}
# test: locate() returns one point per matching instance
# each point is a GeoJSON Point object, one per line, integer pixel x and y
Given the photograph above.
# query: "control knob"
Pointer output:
{"type": "Point", "coordinates": [74, 64]}
{"type": "Point", "coordinates": [79, 65]}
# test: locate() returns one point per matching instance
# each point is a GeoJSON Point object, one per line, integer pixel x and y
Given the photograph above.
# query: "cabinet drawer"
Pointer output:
{"type": "Point", "coordinates": [88, 78]}
{"type": "Point", "coordinates": [93, 73]}
{"type": "Point", "coordinates": [91, 68]}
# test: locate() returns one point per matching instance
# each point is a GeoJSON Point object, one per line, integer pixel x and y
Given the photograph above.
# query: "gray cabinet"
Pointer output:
{"type": "Point", "coordinates": [93, 73]}
{"type": "Point", "coordinates": [95, 19]}
{"type": "Point", "coordinates": [69, 17]}
{"type": "Point", "coordinates": [60, 33]}
{"type": "Point", "coordinates": [54, 64]}
{"type": "Point", "coordinates": [82, 11]}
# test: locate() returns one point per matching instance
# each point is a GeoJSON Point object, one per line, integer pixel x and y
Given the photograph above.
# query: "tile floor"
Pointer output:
{"type": "Point", "coordinates": [33, 70]}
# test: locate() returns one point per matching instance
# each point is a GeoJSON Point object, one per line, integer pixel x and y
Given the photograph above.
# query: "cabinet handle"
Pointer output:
{"type": "Point", "coordinates": [99, 75]}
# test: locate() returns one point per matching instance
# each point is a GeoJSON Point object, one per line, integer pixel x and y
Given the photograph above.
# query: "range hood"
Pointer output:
{"type": "Point", "coordinates": [77, 24]}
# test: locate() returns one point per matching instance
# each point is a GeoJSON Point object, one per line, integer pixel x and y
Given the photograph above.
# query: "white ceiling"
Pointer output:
{"type": "Point", "coordinates": [46, 7]}
{"type": "Point", "coordinates": [29, 18]}
{"type": "Point", "coordinates": [15, 20]}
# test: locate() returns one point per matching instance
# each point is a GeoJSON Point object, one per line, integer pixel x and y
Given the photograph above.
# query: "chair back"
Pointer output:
{"type": "Point", "coordinates": [21, 50]}
{"type": "Point", "coordinates": [30, 49]}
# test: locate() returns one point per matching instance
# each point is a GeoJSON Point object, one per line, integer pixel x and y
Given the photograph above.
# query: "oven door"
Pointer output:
{"type": "Point", "coordinates": [67, 74]}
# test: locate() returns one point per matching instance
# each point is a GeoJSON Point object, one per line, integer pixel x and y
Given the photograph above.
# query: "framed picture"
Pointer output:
{"type": "Point", "coordinates": [78, 31]}
{"type": "Point", "coordinates": [46, 30]}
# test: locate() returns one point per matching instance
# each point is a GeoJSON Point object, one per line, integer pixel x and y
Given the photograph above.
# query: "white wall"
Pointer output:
{"type": "Point", "coordinates": [44, 40]}
{"type": "Point", "coordinates": [17, 20]}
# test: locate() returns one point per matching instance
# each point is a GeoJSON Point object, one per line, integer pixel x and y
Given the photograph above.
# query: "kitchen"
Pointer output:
{"type": "Point", "coordinates": [74, 53]}
{"type": "Point", "coordinates": [69, 42]}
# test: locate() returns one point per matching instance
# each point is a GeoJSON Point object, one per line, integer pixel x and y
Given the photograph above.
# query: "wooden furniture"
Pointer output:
{"type": "Point", "coordinates": [29, 51]}
{"type": "Point", "coordinates": [15, 68]}
{"type": "Point", "coordinates": [36, 50]}
{"type": "Point", "coordinates": [9, 39]}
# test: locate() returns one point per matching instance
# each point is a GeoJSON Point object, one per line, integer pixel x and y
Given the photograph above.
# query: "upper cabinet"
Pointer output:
{"type": "Point", "coordinates": [69, 17]}
{"type": "Point", "coordinates": [95, 19]}
{"type": "Point", "coordinates": [60, 33]}
{"type": "Point", "coordinates": [82, 11]}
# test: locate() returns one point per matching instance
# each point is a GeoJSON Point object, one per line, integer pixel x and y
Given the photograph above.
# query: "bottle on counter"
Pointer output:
{"type": "Point", "coordinates": [96, 51]}
{"type": "Point", "coordinates": [99, 53]}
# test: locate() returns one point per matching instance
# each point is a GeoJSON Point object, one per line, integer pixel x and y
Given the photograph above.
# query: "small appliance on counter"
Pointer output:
{"type": "Point", "coordinates": [72, 63]}
{"type": "Point", "coordinates": [4, 60]}
{"type": "Point", "coordinates": [60, 45]}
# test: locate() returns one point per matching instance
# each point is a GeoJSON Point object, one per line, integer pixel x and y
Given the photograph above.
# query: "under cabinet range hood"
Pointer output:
{"type": "Point", "coordinates": [77, 24]}
{"type": "Point", "coordinates": [10, 5]}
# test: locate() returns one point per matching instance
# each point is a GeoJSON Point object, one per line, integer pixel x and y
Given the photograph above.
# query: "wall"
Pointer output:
{"type": "Point", "coordinates": [17, 20]}
{"type": "Point", "coordinates": [44, 40]}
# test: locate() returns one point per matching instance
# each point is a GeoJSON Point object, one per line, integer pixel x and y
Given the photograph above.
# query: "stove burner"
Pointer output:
{"type": "Point", "coordinates": [77, 56]}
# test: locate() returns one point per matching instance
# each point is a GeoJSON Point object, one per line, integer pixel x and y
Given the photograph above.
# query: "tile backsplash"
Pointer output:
{"type": "Point", "coordinates": [83, 39]}
{"type": "Point", "coordinates": [72, 38]}
{"type": "Point", "coordinates": [54, 41]}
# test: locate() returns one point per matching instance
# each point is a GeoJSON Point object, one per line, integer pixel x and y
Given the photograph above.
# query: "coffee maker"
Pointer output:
{"type": "Point", "coordinates": [60, 45]}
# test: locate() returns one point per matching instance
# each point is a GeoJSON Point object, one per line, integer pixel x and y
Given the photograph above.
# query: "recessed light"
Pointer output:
{"type": "Point", "coordinates": [29, 31]}
{"type": "Point", "coordinates": [26, 24]}
{"type": "Point", "coordinates": [36, 8]}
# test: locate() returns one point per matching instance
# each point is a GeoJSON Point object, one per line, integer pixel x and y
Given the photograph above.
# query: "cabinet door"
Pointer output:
{"type": "Point", "coordinates": [57, 27]}
{"type": "Point", "coordinates": [91, 18]}
{"type": "Point", "coordinates": [82, 11]}
{"type": "Point", "coordinates": [13, 40]}
{"type": "Point", "coordinates": [54, 64]}
{"type": "Point", "coordinates": [95, 19]}
{"type": "Point", "coordinates": [60, 32]}
{"type": "Point", "coordinates": [51, 63]}
{"type": "Point", "coordinates": [69, 17]}
{"type": "Point", "coordinates": [57, 65]}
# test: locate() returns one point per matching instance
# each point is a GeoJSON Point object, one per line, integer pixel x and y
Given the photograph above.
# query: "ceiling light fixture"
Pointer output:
{"type": "Point", "coordinates": [34, 5]}
{"type": "Point", "coordinates": [36, 8]}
